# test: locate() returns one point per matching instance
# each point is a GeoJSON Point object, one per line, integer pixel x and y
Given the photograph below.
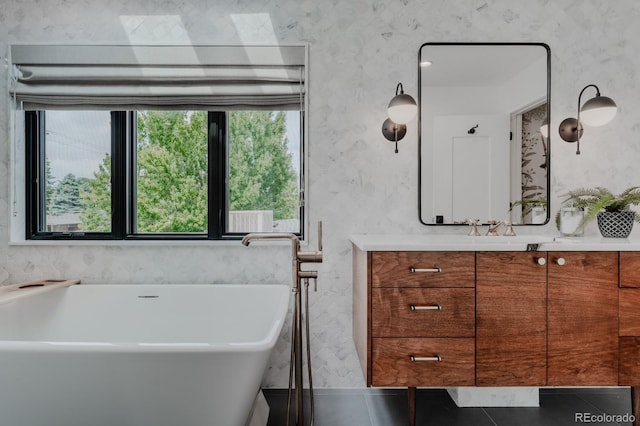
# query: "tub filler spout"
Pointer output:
{"type": "Point", "coordinates": [298, 275]}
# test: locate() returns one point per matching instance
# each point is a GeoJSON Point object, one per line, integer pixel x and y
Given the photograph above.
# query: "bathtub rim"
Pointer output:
{"type": "Point", "coordinates": [265, 344]}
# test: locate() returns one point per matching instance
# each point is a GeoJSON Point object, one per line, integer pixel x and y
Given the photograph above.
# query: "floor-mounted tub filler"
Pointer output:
{"type": "Point", "coordinates": [137, 355]}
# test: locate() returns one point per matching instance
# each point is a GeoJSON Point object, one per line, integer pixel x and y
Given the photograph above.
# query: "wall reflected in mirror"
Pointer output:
{"type": "Point", "coordinates": [482, 153]}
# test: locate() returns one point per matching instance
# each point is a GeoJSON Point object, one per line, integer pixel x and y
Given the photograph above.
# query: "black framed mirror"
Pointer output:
{"type": "Point", "coordinates": [483, 148]}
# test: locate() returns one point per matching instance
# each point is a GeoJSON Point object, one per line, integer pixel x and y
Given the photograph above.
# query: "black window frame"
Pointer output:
{"type": "Point", "coordinates": [123, 202]}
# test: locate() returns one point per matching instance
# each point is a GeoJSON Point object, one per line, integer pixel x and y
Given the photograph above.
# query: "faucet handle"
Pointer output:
{"type": "Point", "coordinates": [509, 232]}
{"type": "Point", "coordinates": [474, 227]}
{"type": "Point", "coordinates": [312, 256]}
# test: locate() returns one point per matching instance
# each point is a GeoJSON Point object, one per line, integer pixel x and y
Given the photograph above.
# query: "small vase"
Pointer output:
{"type": "Point", "coordinates": [615, 224]}
{"type": "Point", "coordinates": [538, 215]}
{"type": "Point", "coordinates": [570, 219]}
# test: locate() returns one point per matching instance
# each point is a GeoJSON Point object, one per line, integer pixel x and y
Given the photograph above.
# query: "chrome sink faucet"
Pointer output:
{"type": "Point", "coordinates": [493, 228]}
{"type": "Point", "coordinates": [473, 223]}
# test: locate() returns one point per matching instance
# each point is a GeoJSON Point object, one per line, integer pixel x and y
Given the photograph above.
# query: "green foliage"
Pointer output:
{"type": "Point", "coordinates": [172, 172]}
{"type": "Point", "coordinates": [96, 217]}
{"type": "Point", "coordinates": [594, 200]}
{"type": "Point", "coordinates": [65, 196]}
{"type": "Point", "coordinates": [261, 175]}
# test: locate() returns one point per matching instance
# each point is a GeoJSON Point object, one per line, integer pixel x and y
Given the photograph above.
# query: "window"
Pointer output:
{"type": "Point", "coordinates": [163, 174]}
{"type": "Point", "coordinates": [161, 142]}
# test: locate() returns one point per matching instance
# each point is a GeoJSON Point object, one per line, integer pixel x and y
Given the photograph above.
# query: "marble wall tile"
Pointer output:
{"type": "Point", "coordinates": [359, 51]}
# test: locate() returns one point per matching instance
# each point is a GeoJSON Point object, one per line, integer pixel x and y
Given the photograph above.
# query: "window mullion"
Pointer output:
{"type": "Point", "coordinates": [217, 169]}
{"type": "Point", "coordinates": [118, 174]}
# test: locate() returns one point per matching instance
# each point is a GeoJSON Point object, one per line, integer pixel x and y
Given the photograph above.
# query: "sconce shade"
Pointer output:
{"type": "Point", "coordinates": [598, 111]}
{"type": "Point", "coordinates": [402, 108]}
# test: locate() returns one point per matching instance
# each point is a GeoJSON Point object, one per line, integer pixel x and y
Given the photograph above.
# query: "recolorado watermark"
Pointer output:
{"type": "Point", "coordinates": [604, 418]}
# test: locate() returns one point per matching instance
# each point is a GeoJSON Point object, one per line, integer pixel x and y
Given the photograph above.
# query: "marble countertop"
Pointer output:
{"type": "Point", "coordinates": [457, 242]}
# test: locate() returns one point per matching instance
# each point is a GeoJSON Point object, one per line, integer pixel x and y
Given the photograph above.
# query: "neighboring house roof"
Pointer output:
{"type": "Point", "coordinates": [64, 219]}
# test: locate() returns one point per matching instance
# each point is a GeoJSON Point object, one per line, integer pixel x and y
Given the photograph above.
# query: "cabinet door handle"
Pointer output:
{"type": "Point", "coordinates": [560, 261]}
{"type": "Point", "coordinates": [425, 307]}
{"type": "Point", "coordinates": [428, 270]}
{"type": "Point", "coordinates": [435, 358]}
{"type": "Point", "coordinates": [541, 261]}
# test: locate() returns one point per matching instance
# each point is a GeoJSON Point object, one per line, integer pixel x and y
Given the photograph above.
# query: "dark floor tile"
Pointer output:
{"type": "Point", "coordinates": [614, 401]}
{"type": "Point", "coordinates": [339, 408]}
{"type": "Point", "coordinates": [388, 407]}
{"type": "Point", "coordinates": [434, 407]}
{"type": "Point", "coordinates": [555, 410]}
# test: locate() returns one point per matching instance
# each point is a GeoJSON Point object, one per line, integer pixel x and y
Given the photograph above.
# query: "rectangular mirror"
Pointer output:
{"type": "Point", "coordinates": [482, 152]}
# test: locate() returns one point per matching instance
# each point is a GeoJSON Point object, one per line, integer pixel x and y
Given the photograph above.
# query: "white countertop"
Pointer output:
{"type": "Point", "coordinates": [457, 242]}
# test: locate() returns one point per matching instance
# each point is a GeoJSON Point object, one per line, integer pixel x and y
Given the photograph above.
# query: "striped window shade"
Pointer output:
{"type": "Point", "coordinates": [160, 77]}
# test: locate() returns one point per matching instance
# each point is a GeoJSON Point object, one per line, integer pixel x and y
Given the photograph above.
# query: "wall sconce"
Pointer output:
{"type": "Point", "coordinates": [597, 111]}
{"type": "Point", "coordinates": [401, 110]}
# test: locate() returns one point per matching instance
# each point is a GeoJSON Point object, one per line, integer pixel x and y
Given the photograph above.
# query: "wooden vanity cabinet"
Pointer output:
{"type": "Point", "coordinates": [505, 319]}
{"type": "Point", "coordinates": [511, 319]}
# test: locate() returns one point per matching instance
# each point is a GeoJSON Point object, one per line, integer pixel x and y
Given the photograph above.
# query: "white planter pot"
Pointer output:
{"type": "Point", "coordinates": [570, 218]}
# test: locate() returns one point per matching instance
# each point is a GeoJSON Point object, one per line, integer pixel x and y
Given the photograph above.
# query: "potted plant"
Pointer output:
{"type": "Point", "coordinates": [612, 212]}
{"type": "Point", "coordinates": [536, 206]}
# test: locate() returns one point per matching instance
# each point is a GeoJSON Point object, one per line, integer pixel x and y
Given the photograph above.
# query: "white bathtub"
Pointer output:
{"type": "Point", "coordinates": [143, 355]}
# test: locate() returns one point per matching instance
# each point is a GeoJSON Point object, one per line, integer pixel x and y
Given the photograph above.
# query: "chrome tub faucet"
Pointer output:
{"type": "Point", "coordinates": [299, 275]}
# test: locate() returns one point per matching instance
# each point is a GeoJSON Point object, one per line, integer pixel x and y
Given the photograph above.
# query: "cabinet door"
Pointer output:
{"type": "Point", "coordinates": [583, 318]}
{"type": "Point", "coordinates": [629, 267]}
{"type": "Point", "coordinates": [511, 319]}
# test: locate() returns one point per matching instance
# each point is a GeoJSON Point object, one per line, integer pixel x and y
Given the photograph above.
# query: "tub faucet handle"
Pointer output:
{"type": "Point", "coordinates": [312, 256]}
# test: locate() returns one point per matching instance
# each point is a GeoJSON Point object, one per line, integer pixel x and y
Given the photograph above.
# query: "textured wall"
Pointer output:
{"type": "Point", "coordinates": [359, 51]}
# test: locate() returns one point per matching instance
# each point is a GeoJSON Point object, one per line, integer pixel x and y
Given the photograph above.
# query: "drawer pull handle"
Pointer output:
{"type": "Point", "coordinates": [435, 358]}
{"type": "Point", "coordinates": [429, 270]}
{"type": "Point", "coordinates": [425, 308]}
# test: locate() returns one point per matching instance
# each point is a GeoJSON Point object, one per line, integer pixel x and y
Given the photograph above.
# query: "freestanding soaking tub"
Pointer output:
{"type": "Point", "coordinates": [137, 355]}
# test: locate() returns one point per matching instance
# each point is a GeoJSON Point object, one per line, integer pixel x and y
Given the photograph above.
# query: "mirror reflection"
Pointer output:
{"type": "Point", "coordinates": [484, 152]}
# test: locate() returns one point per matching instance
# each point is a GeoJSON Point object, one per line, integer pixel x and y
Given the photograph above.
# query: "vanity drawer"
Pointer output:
{"type": "Point", "coordinates": [629, 269]}
{"type": "Point", "coordinates": [629, 312]}
{"type": "Point", "coordinates": [422, 269]}
{"type": "Point", "coordinates": [416, 312]}
{"type": "Point", "coordinates": [393, 365]}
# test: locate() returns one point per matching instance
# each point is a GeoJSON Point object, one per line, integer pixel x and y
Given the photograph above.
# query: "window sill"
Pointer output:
{"type": "Point", "coordinates": [146, 243]}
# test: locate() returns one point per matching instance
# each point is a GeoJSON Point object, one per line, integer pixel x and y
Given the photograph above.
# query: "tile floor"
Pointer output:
{"type": "Point", "coordinates": [388, 407]}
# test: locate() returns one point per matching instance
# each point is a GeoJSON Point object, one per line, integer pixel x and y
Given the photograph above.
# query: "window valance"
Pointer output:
{"type": "Point", "coordinates": [159, 77]}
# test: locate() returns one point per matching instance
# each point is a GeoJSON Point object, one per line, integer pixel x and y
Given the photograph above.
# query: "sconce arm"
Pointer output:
{"type": "Point", "coordinates": [579, 108]}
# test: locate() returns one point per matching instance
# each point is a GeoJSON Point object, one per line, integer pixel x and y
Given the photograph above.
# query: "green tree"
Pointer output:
{"type": "Point", "coordinates": [50, 183]}
{"type": "Point", "coordinates": [96, 216]}
{"type": "Point", "coordinates": [172, 171]}
{"type": "Point", "coordinates": [261, 174]}
{"type": "Point", "coordinates": [65, 196]}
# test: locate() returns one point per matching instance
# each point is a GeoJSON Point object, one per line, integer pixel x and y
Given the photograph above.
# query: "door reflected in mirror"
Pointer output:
{"type": "Point", "coordinates": [483, 155]}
